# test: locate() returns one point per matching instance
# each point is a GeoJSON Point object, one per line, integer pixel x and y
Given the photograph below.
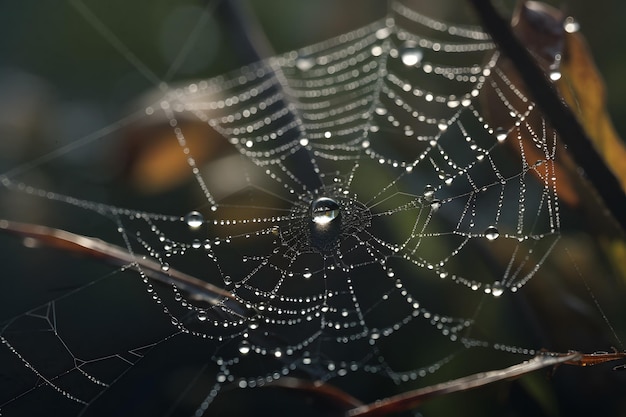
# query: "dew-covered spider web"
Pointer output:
{"type": "Point", "coordinates": [380, 203]}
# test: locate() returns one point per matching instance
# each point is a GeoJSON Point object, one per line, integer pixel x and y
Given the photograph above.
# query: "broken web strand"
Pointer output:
{"type": "Point", "coordinates": [282, 134]}
{"type": "Point", "coordinates": [43, 321]}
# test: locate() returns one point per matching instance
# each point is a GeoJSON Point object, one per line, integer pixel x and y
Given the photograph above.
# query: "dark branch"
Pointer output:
{"type": "Point", "coordinates": [556, 111]}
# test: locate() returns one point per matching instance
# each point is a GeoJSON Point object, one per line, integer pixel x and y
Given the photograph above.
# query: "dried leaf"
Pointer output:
{"type": "Point", "coordinates": [583, 89]}
{"type": "Point", "coordinates": [156, 161]}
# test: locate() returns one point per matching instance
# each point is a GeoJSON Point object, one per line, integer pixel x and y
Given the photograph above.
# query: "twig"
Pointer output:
{"type": "Point", "coordinates": [411, 399]}
{"type": "Point", "coordinates": [96, 248]}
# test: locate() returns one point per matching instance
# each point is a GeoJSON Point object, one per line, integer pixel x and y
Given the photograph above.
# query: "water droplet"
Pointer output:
{"type": "Point", "coordinates": [555, 74]}
{"type": "Point", "coordinates": [492, 233]}
{"type": "Point", "coordinates": [253, 324]}
{"type": "Point", "coordinates": [501, 134]}
{"type": "Point", "coordinates": [429, 192]}
{"type": "Point", "coordinates": [165, 267]}
{"type": "Point", "coordinates": [380, 110]}
{"type": "Point", "coordinates": [376, 50]}
{"type": "Point", "coordinates": [227, 280]}
{"type": "Point", "coordinates": [306, 273]}
{"type": "Point", "coordinates": [497, 289]}
{"type": "Point", "coordinates": [244, 347]}
{"type": "Point", "coordinates": [278, 353]}
{"type": "Point", "coordinates": [383, 33]}
{"type": "Point", "coordinates": [196, 244]}
{"type": "Point", "coordinates": [410, 54]}
{"type": "Point", "coordinates": [202, 315]}
{"type": "Point", "coordinates": [327, 134]}
{"type": "Point", "coordinates": [194, 219]}
{"type": "Point", "coordinates": [571, 25]}
{"type": "Point", "coordinates": [305, 63]}
{"type": "Point", "coordinates": [390, 273]}
{"type": "Point", "coordinates": [324, 210]}
{"type": "Point", "coordinates": [304, 142]}
{"type": "Point", "coordinates": [435, 204]}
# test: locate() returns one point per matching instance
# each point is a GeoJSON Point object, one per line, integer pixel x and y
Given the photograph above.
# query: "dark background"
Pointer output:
{"type": "Point", "coordinates": [60, 80]}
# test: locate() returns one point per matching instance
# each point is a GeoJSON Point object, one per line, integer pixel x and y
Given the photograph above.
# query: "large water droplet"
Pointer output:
{"type": "Point", "coordinates": [194, 219]}
{"type": "Point", "coordinates": [410, 54]}
{"type": "Point", "coordinates": [492, 233]}
{"type": "Point", "coordinates": [324, 210]}
{"type": "Point", "coordinates": [306, 273]}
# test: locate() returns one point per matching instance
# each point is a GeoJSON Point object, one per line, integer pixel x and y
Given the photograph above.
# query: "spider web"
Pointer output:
{"type": "Point", "coordinates": [353, 227]}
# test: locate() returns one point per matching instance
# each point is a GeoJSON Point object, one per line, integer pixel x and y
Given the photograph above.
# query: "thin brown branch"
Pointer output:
{"type": "Point", "coordinates": [98, 249]}
{"type": "Point", "coordinates": [410, 400]}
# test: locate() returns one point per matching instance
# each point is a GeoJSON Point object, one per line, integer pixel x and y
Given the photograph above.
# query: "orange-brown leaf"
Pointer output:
{"type": "Point", "coordinates": [583, 89]}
